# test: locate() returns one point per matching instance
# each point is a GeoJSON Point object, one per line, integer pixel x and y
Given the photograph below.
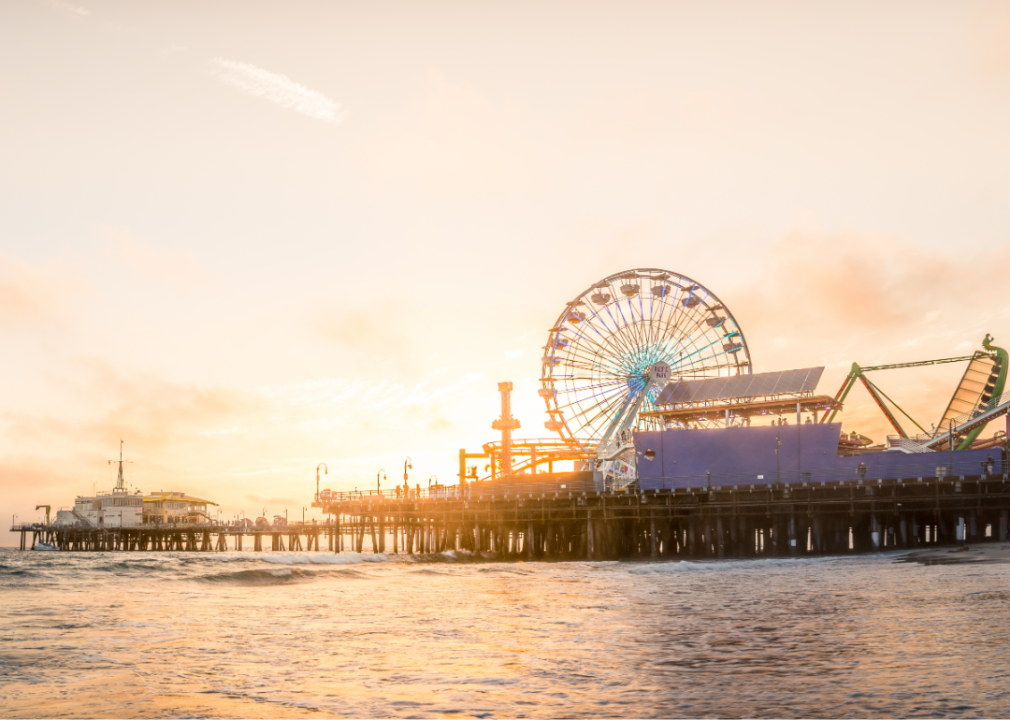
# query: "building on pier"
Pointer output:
{"type": "Point", "coordinates": [116, 508]}
{"type": "Point", "coordinates": [123, 508]}
{"type": "Point", "coordinates": [175, 507]}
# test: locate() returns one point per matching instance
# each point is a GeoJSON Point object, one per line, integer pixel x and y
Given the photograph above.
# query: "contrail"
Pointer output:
{"type": "Point", "coordinates": [279, 89]}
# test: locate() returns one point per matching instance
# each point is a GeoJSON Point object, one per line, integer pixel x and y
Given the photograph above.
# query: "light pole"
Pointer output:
{"type": "Point", "coordinates": [378, 484]}
{"type": "Point", "coordinates": [303, 514]}
{"type": "Point", "coordinates": [406, 466]}
{"type": "Point", "coordinates": [951, 445]}
{"type": "Point", "coordinates": [326, 471]}
{"type": "Point", "coordinates": [778, 444]}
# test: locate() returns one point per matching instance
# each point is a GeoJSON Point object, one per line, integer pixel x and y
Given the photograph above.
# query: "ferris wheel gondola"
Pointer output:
{"type": "Point", "coordinates": [615, 346]}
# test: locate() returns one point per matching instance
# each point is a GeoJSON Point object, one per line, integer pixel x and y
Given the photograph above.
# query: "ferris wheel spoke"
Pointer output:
{"type": "Point", "coordinates": [616, 335]}
{"type": "Point", "coordinates": [669, 300]}
{"type": "Point", "coordinates": [584, 388]}
{"type": "Point", "coordinates": [591, 404]}
{"type": "Point", "coordinates": [620, 311]}
{"type": "Point", "coordinates": [593, 364]}
{"type": "Point", "coordinates": [617, 323]}
{"type": "Point", "coordinates": [691, 337]}
{"type": "Point", "coordinates": [601, 345]}
{"type": "Point", "coordinates": [593, 360]}
{"type": "Point", "coordinates": [724, 352]}
{"type": "Point", "coordinates": [619, 404]}
{"type": "Point", "coordinates": [575, 328]}
{"type": "Point", "coordinates": [636, 326]}
{"type": "Point", "coordinates": [601, 410]}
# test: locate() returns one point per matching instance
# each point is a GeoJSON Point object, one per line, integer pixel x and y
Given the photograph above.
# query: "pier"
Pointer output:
{"type": "Point", "coordinates": [525, 521]}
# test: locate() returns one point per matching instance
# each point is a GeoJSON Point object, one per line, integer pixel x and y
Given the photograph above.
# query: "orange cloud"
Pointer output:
{"type": "Point", "coordinates": [837, 298]}
{"type": "Point", "coordinates": [30, 297]}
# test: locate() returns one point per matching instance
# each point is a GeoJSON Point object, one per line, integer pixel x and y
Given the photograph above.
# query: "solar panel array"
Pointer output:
{"type": "Point", "coordinates": [740, 386]}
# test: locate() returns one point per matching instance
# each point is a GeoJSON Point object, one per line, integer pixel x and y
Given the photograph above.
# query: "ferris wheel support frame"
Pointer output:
{"type": "Point", "coordinates": [609, 450]}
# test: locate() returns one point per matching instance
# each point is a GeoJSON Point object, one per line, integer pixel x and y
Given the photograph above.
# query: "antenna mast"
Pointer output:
{"type": "Point", "coordinates": [120, 481]}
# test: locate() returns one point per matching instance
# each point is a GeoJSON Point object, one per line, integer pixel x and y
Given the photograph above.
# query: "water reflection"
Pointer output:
{"type": "Point", "coordinates": [239, 635]}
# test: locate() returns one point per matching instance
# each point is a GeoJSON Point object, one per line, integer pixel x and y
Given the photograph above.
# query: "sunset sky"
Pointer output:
{"type": "Point", "coordinates": [249, 237]}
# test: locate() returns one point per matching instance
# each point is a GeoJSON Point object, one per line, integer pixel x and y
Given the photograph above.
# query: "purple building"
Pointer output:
{"type": "Point", "coordinates": [743, 456]}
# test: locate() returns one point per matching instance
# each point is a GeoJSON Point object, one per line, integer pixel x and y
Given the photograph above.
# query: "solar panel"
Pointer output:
{"type": "Point", "coordinates": [740, 386]}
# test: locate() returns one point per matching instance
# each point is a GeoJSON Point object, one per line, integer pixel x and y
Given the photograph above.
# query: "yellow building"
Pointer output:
{"type": "Point", "coordinates": [175, 507]}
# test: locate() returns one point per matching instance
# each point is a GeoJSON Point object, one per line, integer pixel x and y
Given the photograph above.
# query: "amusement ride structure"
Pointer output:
{"type": "Point", "coordinates": [650, 349]}
{"type": "Point", "coordinates": [608, 355]}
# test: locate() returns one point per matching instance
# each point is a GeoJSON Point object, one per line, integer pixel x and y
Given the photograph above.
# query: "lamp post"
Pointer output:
{"type": "Point", "coordinates": [406, 466]}
{"type": "Point", "coordinates": [950, 443]}
{"type": "Point", "coordinates": [303, 514]}
{"type": "Point", "coordinates": [778, 444]}
{"type": "Point", "coordinates": [378, 484]}
{"type": "Point", "coordinates": [326, 471]}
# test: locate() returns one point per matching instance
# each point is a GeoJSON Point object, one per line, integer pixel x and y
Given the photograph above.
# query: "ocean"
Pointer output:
{"type": "Point", "coordinates": [242, 634]}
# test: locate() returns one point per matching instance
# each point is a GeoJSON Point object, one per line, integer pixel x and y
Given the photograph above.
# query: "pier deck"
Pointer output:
{"type": "Point", "coordinates": [737, 521]}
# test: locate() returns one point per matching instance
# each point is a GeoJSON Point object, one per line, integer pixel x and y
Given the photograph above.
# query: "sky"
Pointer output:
{"type": "Point", "coordinates": [249, 237]}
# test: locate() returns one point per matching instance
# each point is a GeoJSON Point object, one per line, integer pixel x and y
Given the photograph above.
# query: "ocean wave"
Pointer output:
{"type": "Point", "coordinates": [687, 566]}
{"type": "Point", "coordinates": [279, 576]}
{"type": "Point", "coordinates": [449, 556]}
{"type": "Point", "coordinates": [323, 558]}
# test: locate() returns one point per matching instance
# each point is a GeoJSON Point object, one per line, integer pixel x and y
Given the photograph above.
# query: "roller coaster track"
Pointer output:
{"type": "Point", "coordinates": [967, 426]}
{"type": "Point", "coordinates": [978, 399]}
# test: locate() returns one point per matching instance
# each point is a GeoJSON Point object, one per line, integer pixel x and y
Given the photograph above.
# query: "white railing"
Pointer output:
{"type": "Point", "coordinates": [906, 445]}
{"type": "Point", "coordinates": [942, 433]}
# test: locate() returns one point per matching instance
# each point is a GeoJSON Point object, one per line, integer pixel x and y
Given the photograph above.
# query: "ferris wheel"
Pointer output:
{"type": "Point", "coordinates": [617, 344]}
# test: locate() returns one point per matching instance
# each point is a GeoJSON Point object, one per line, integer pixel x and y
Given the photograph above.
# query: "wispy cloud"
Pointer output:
{"type": "Point", "coordinates": [278, 89]}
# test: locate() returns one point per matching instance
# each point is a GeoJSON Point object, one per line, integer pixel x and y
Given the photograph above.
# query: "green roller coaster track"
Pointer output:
{"type": "Point", "coordinates": [859, 373]}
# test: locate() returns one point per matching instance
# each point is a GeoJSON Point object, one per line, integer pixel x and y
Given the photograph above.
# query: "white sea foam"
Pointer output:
{"type": "Point", "coordinates": [681, 566]}
{"type": "Point", "coordinates": [454, 554]}
{"type": "Point", "coordinates": [323, 558]}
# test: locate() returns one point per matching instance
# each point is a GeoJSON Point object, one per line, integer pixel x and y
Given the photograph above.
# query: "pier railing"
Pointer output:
{"type": "Point", "coordinates": [928, 468]}
{"type": "Point", "coordinates": [935, 465]}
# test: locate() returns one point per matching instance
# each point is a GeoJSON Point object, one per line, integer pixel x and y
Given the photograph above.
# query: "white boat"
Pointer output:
{"type": "Point", "coordinates": [44, 546]}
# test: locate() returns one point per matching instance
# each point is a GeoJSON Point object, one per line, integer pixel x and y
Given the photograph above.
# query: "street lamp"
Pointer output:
{"type": "Point", "coordinates": [950, 438]}
{"type": "Point", "coordinates": [406, 466]}
{"type": "Point", "coordinates": [303, 514]}
{"type": "Point", "coordinates": [378, 484]}
{"type": "Point", "coordinates": [778, 444]}
{"type": "Point", "coordinates": [326, 471]}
